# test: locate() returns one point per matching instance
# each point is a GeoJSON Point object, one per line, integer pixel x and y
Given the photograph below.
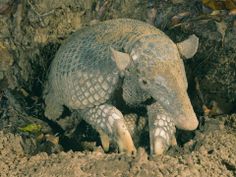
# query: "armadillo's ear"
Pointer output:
{"type": "Point", "coordinates": [121, 59]}
{"type": "Point", "coordinates": [188, 47]}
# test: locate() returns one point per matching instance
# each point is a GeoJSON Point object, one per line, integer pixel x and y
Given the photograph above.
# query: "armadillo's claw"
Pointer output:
{"type": "Point", "coordinates": [159, 146]}
{"type": "Point", "coordinates": [109, 122]}
{"type": "Point", "coordinates": [123, 138]}
{"type": "Point", "coordinates": [104, 140]}
{"type": "Point", "coordinates": [173, 141]}
{"type": "Point", "coordinates": [161, 129]}
{"type": "Point", "coordinates": [161, 139]}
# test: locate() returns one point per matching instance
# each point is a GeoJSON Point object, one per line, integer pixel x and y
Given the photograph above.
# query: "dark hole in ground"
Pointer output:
{"type": "Point", "coordinates": [81, 138]}
{"type": "Point", "coordinates": [211, 151]}
{"type": "Point", "coordinates": [229, 166]}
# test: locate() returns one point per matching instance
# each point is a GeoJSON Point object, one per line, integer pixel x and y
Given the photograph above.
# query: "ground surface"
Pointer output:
{"type": "Point", "coordinates": [211, 153]}
{"type": "Point", "coordinates": [30, 145]}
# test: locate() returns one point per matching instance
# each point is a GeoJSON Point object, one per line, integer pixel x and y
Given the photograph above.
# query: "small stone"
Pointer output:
{"type": "Point", "coordinates": [203, 150]}
{"type": "Point", "coordinates": [189, 160]}
{"type": "Point", "coordinates": [40, 36]}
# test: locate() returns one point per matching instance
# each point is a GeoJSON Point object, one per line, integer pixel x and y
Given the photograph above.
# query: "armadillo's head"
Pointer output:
{"type": "Point", "coordinates": [159, 70]}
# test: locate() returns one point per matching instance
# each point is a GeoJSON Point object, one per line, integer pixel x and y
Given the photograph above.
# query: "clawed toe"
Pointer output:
{"type": "Point", "coordinates": [104, 140]}
{"type": "Point", "coordinates": [161, 141]}
{"type": "Point", "coordinates": [123, 138]}
{"type": "Point", "coordinates": [159, 146]}
{"type": "Point", "coordinates": [110, 124]}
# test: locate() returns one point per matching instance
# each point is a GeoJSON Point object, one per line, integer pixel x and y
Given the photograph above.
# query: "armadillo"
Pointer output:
{"type": "Point", "coordinates": [135, 57]}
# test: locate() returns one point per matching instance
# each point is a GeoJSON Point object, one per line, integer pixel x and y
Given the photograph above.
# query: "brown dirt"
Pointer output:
{"type": "Point", "coordinates": [30, 34]}
{"type": "Point", "coordinates": [211, 153]}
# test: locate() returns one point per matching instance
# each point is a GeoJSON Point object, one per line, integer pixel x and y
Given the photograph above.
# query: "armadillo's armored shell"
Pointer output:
{"type": "Point", "coordinates": [83, 74]}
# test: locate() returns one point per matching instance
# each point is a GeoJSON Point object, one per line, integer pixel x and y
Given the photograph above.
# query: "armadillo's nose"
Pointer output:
{"type": "Point", "coordinates": [187, 123]}
{"type": "Point", "coordinates": [188, 119]}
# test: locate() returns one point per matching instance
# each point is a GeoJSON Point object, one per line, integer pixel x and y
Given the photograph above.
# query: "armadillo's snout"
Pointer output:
{"type": "Point", "coordinates": [187, 122]}
{"type": "Point", "coordinates": [187, 119]}
{"type": "Point", "coordinates": [181, 109]}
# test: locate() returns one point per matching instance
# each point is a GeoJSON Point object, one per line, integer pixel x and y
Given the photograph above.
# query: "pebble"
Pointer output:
{"type": "Point", "coordinates": [203, 150]}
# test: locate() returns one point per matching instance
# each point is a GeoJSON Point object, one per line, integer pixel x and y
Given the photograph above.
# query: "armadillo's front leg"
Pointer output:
{"type": "Point", "coordinates": [108, 120]}
{"type": "Point", "coordinates": [161, 129]}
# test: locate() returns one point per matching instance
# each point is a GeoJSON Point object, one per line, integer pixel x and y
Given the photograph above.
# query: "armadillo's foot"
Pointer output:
{"type": "Point", "coordinates": [161, 129]}
{"type": "Point", "coordinates": [53, 110]}
{"type": "Point", "coordinates": [108, 120]}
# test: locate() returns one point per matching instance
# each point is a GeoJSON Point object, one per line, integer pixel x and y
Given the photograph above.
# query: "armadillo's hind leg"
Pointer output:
{"type": "Point", "coordinates": [53, 109]}
{"type": "Point", "coordinates": [108, 120]}
{"type": "Point", "coordinates": [161, 129]}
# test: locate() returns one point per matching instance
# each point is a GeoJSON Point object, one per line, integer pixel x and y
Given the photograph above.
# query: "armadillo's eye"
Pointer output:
{"type": "Point", "coordinates": [144, 83]}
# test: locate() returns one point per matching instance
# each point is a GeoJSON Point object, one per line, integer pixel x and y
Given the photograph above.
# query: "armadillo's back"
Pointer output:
{"type": "Point", "coordinates": [83, 73]}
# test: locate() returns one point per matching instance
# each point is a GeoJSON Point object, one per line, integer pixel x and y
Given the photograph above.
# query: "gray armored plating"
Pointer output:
{"type": "Point", "coordinates": [127, 54]}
